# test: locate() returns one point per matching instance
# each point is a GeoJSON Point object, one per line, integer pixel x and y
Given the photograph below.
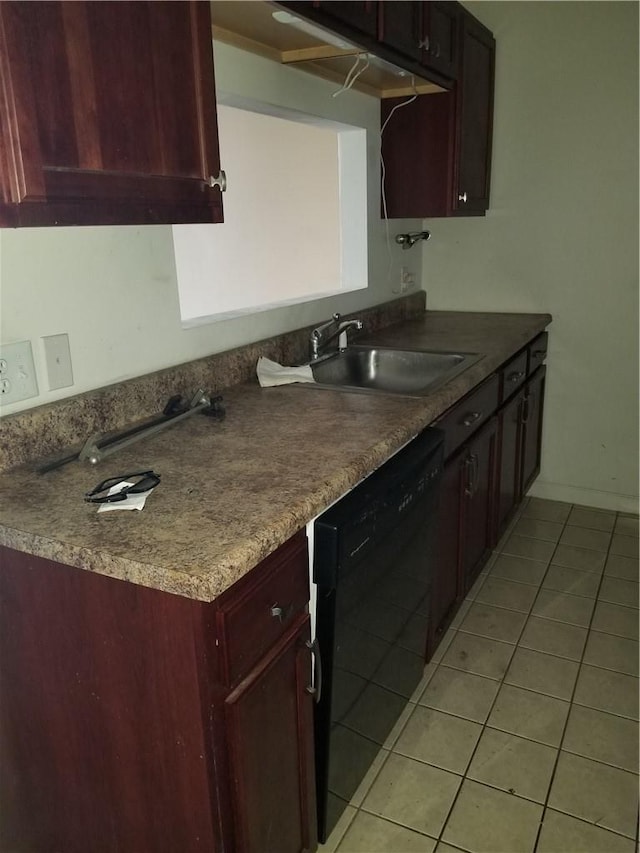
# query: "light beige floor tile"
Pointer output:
{"type": "Point", "coordinates": [502, 593]}
{"type": "Point", "coordinates": [627, 568]}
{"type": "Point", "coordinates": [582, 537]}
{"type": "Point", "coordinates": [439, 739]}
{"type": "Point", "coordinates": [613, 619]}
{"type": "Point", "coordinates": [554, 638]}
{"type": "Point", "coordinates": [619, 591]}
{"type": "Point", "coordinates": [535, 528]}
{"type": "Point", "coordinates": [611, 652]}
{"type": "Point", "coordinates": [375, 712]}
{"type": "Point", "coordinates": [371, 834]}
{"type": "Point", "coordinates": [519, 569]}
{"type": "Point", "coordinates": [564, 834]}
{"type": "Point", "coordinates": [573, 609]}
{"type": "Point", "coordinates": [479, 655]}
{"type": "Point", "coordinates": [542, 673]}
{"type": "Point", "coordinates": [484, 820]}
{"type": "Point", "coordinates": [447, 848]}
{"type": "Point", "coordinates": [531, 715]}
{"type": "Point", "coordinates": [595, 519]}
{"type": "Point", "coordinates": [609, 691]}
{"type": "Point", "coordinates": [625, 546]}
{"type": "Point", "coordinates": [627, 525]}
{"type": "Point", "coordinates": [547, 510]}
{"type": "Point", "coordinates": [603, 737]}
{"type": "Point", "coordinates": [334, 839]}
{"type": "Point", "coordinates": [572, 581]}
{"type": "Point", "coordinates": [513, 764]}
{"type": "Point", "coordinates": [496, 622]}
{"type": "Point", "coordinates": [413, 794]}
{"type": "Point", "coordinates": [579, 558]}
{"type": "Point", "coordinates": [460, 693]}
{"type": "Point", "coordinates": [523, 546]}
{"type": "Point", "coordinates": [597, 793]}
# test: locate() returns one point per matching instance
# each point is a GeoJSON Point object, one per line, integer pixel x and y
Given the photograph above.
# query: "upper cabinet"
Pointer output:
{"type": "Point", "coordinates": [107, 114]}
{"type": "Point", "coordinates": [362, 15]}
{"type": "Point", "coordinates": [437, 149]}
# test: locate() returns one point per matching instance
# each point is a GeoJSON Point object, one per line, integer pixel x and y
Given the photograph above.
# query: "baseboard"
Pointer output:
{"type": "Point", "coordinates": [584, 497]}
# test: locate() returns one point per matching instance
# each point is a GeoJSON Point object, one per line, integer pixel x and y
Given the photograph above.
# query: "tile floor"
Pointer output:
{"type": "Point", "coordinates": [523, 735]}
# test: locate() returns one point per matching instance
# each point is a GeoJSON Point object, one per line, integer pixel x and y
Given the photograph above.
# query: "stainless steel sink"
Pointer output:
{"type": "Point", "coordinates": [412, 373]}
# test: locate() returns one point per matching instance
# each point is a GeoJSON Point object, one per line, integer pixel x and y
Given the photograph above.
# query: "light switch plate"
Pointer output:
{"type": "Point", "coordinates": [58, 360]}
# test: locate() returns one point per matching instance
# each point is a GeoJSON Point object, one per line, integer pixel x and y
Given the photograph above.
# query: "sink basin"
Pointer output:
{"type": "Point", "coordinates": [412, 373]}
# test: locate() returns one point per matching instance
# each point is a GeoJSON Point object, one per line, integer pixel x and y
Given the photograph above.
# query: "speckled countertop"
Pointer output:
{"type": "Point", "coordinates": [233, 491]}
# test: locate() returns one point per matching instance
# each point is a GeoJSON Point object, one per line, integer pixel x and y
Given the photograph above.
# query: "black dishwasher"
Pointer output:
{"type": "Point", "coordinates": [372, 570]}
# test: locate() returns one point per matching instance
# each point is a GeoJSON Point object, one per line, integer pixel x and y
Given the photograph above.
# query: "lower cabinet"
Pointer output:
{"type": "Point", "coordinates": [270, 736]}
{"type": "Point", "coordinates": [136, 720]}
{"type": "Point", "coordinates": [492, 451]}
{"type": "Point", "coordinates": [466, 516]}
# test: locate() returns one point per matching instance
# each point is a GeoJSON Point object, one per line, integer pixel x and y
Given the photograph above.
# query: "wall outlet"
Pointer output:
{"type": "Point", "coordinates": [17, 373]}
{"type": "Point", "coordinates": [58, 359]}
{"type": "Point", "coordinates": [407, 279]}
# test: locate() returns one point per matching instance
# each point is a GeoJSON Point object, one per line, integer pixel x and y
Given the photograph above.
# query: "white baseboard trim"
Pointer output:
{"type": "Point", "coordinates": [584, 497]}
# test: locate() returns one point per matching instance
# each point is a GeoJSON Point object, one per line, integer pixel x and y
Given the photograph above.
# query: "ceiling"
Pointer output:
{"type": "Point", "coordinates": [250, 25]}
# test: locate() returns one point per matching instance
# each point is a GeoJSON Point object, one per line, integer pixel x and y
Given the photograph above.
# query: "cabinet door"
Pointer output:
{"type": "Point", "coordinates": [401, 28]}
{"type": "Point", "coordinates": [474, 109]}
{"type": "Point", "coordinates": [440, 38]}
{"type": "Point", "coordinates": [478, 534]}
{"type": "Point", "coordinates": [446, 581]}
{"type": "Point", "coordinates": [270, 734]}
{"type": "Point", "coordinates": [509, 491]}
{"type": "Point", "coordinates": [532, 431]}
{"type": "Point", "coordinates": [107, 113]}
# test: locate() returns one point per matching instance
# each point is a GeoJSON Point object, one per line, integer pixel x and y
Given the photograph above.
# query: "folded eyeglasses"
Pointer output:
{"type": "Point", "coordinates": [137, 483]}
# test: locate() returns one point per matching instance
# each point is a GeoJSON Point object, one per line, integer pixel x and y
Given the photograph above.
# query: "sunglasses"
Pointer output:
{"type": "Point", "coordinates": [143, 481]}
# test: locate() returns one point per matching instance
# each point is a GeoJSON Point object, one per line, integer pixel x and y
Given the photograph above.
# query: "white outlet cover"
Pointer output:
{"type": "Point", "coordinates": [17, 373]}
{"type": "Point", "coordinates": [58, 360]}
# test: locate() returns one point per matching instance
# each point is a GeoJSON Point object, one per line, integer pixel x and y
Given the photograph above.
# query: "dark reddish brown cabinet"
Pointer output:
{"type": "Point", "coordinates": [136, 720]}
{"type": "Point", "coordinates": [466, 516]}
{"type": "Point", "coordinates": [107, 114]}
{"type": "Point", "coordinates": [437, 149]}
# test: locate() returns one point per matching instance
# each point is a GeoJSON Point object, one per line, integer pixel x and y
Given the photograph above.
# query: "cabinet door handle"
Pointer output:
{"type": "Point", "coordinates": [281, 613]}
{"type": "Point", "coordinates": [424, 44]}
{"type": "Point", "coordinates": [468, 464]}
{"type": "Point", "coordinates": [437, 50]}
{"type": "Point", "coordinates": [471, 418]}
{"type": "Point", "coordinates": [476, 472]}
{"type": "Point", "coordinates": [516, 376]}
{"type": "Point", "coordinates": [463, 197]}
{"type": "Point", "coordinates": [315, 689]}
{"type": "Point", "coordinates": [220, 181]}
{"type": "Point", "coordinates": [539, 353]}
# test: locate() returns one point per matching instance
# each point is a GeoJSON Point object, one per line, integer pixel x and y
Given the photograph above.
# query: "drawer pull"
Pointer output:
{"type": "Point", "coordinates": [471, 418]}
{"type": "Point", "coordinates": [516, 376]}
{"type": "Point", "coordinates": [539, 353]}
{"type": "Point", "coordinates": [315, 689]}
{"type": "Point", "coordinates": [281, 613]}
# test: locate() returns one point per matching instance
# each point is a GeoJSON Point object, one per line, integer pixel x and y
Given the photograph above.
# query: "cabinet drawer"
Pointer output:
{"type": "Point", "coordinates": [537, 351]}
{"type": "Point", "coordinates": [463, 419]}
{"type": "Point", "coordinates": [513, 375]}
{"type": "Point", "coordinates": [252, 618]}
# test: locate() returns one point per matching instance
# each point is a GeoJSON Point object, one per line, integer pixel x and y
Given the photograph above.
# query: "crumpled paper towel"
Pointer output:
{"type": "Point", "coordinates": [271, 373]}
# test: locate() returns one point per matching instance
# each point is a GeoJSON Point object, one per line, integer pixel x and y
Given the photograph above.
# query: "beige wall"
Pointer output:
{"type": "Point", "coordinates": [562, 232]}
{"type": "Point", "coordinates": [113, 289]}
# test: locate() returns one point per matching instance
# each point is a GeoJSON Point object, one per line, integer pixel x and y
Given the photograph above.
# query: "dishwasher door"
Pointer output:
{"type": "Point", "coordinates": [373, 586]}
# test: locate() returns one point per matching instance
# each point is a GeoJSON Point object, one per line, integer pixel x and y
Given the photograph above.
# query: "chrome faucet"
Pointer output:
{"type": "Point", "coordinates": [319, 340]}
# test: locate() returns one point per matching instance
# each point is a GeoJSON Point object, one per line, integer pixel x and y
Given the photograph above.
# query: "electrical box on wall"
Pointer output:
{"type": "Point", "coordinates": [17, 373]}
